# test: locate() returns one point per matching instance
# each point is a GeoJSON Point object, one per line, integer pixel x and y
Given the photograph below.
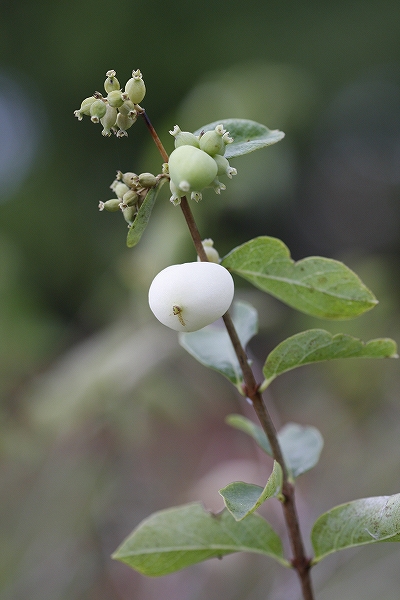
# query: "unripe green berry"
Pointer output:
{"type": "Point", "coordinates": [210, 251]}
{"type": "Point", "coordinates": [109, 120]}
{"type": "Point", "coordinates": [135, 87]}
{"type": "Point", "coordinates": [124, 123]}
{"type": "Point", "coordinates": [190, 296]}
{"type": "Point", "coordinates": [212, 142]}
{"type": "Point", "coordinates": [128, 109]}
{"type": "Point", "coordinates": [147, 180]}
{"type": "Point", "coordinates": [129, 214]}
{"type": "Point", "coordinates": [97, 110]}
{"type": "Point", "coordinates": [129, 178]}
{"type": "Point", "coordinates": [85, 108]}
{"type": "Point", "coordinates": [184, 138]}
{"type": "Point", "coordinates": [111, 205]}
{"type": "Point", "coordinates": [191, 169]}
{"type": "Point", "coordinates": [111, 83]}
{"type": "Point", "coordinates": [120, 189]}
{"type": "Point", "coordinates": [114, 98]}
{"type": "Point", "coordinates": [130, 198]}
{"type": "Point", "coordinates": [224, 167]}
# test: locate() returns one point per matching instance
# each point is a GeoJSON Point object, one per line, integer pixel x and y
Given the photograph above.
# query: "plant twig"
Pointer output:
{"type": "Point", "coordinates": [300, 562]}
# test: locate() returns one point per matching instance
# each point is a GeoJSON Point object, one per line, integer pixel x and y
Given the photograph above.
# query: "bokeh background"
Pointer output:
{"type": "Point", "coordinates": [104, 418]}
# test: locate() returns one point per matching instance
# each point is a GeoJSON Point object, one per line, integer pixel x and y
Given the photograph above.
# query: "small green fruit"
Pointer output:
{"type": "Point", "coordinates": [135, 87]}
{"type": "Point", "coordinates": [111, 83]}
{"type": "Point", "coordinates": [184, 138]}
{"type": "Point", "coordinates": [85, 108]}
{"type": "Point", "coordinates": [97, 110]}
{"type": "Point", "coordinates": [212, 142]}
{"type": "Point", "coordinates": [191, 169]}
{"type": "Point", "coordinates": [114, 98]}
{"type": "Point", "coordinates": [147, 180]}
{"type": "Point", "coordinates": [109, 120]}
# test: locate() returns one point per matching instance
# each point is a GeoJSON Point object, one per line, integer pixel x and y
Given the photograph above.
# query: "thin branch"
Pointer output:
{"type": "Point", "coordinates": [300, 562]}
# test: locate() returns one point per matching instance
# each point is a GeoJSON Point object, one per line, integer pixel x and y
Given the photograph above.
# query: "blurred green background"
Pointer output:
{"type": "Point", "coordinates": [104, 418]}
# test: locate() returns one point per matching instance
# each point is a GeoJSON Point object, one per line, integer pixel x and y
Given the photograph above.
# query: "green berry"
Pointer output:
{"type": "Point", "coordinates": [212, 142]}
{"type": "Point", "coordinates": [191, 169]}
{"type": "Point", "coordinates": [120, 189]}
{"type": "Point", "coordinates": [114, 98]}
{"type": "Point", "coordinates": [129, 178]}
{"type": "Point", "coordinates": [127, 109]}
{"type": "Point", "coordinates": [184, 138]}
{"type": "Point", "coordinates": [129, 214]}
{"type": "Point", "coordinates": [135, 87]}
{"type": "Point", "coordinates": [97, 110]}
{"type": "Point", "coordinates": [110, 205]}
{"type": "Point", "coordinates": [111, 83]}
{"type": "Point", "coordinates": [124, 122]}
{"type": "Point", "coordinates": [109, 120]}
{"type": "Point", "coordinates": [147, 180]}
{"type": "Point", "coordinates": [85, 108]}
{"type": "Point", "coordinates": [224, 167]}
{"type": "Point", "coordinates": [130, 198]}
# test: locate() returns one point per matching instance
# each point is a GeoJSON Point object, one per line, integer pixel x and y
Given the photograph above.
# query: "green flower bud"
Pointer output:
{"type": "Point", "coordinates": [147, 180]}
{"type": "Point", "coordinates": [85, 108]}
{"type": "Point", "coordinates": [135, 87]}
{"type": "Point", "coordinates": [224, 167]}
{"type": "Point", "coordinates": [184, 138]}
{"type": "Point", "coordinates": [130, 198]}
{"type": "Point", "coordinates": [111, 83]}
{"type": "Point", "coordinates": [111, 205]}
{"type": "Point", "coordinates": [124, 122]}
{"type": "Point", "coordinates": [97, 110]}
{"type": "Point", "coordinates": [109, 120]}
{"type": "Point", "coordinates": [212, 142]}
{"type": "Point", "coordinates": [129, 214]}
{"type": "Point", "coordinates": [114, 98]}
{"type": "Point", "coordinates": [120, 189]}
{"type": "Point", "coordinates": [191, 170]}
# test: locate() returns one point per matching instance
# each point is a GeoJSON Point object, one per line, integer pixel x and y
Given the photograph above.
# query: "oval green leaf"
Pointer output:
{"type": "Point", "coordinates": [357, 523]}
{"type": "Point", "coordinates": [212, 347]}
{"type": "Point", "coordinates": [178, 537]}
{"type": "Point", "coordinates": [301, 445]}
{"type": "Point", "coordinates": [316, 345]}
{"type": "Point", "coordinates": [242, 499]}
{"type": "Point", "coordinates": [321, 287]}
{"type": "Point", "coordinates": [247, 135]}
{"type": "Point", "coordinates": [143, 216]}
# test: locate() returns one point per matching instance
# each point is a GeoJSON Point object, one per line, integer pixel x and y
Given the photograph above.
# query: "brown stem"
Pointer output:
{"type": "Point", "coordinates": [300, 562]}
{"type": "Point", "coordinates": [153, 133]}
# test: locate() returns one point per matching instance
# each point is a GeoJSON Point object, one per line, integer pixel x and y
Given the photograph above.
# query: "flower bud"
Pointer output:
{"type": "Point", "coordinates": [111, 83]}
{"type": "Point", "coordinates": [109, 120]}
{"type": "Point", "coordinates": [147, 180]}
{"type": "Point", "coordinates": [85, 108]}
{"type": "Point", "coordinates": [191, 169]}
{"type": "Point", "coordinates": [97, 110]}
{"type": "Point", "coordinates": [135, 87]}
{"type": "Point", "coordinates": [184, 138]}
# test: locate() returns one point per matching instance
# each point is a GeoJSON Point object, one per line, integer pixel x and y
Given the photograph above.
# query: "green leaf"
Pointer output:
{"type": "Point", "coordinates": [242, 499]}
{"type": "Point", "coordinates": [247, 135]}
{"type": "Point", "coordinates": [143, 216]}
{"type": "Point", "coordinates": [178, 537]}
{"type": "Point", "coordinates": [212, 347]}
{"type": "Point", "coordinates": [316, 345]}
{"type": "Point", "coordinates": [317, 286]}
{"type": "Point", "coordinates": [301, 445]}
{"type": "Point", "coordinates": [357, 523]}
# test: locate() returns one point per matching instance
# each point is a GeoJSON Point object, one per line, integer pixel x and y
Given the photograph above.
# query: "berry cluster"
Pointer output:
{"type": "Point", "coordinates": [130, 190]}
{"type": "Point", "coordinates": [197, 162]}
{"type": "Point", "coordinates": [118, 111]}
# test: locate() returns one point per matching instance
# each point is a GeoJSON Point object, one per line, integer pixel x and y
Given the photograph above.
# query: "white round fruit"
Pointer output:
{"type": "Point", "coordinates": [189, 296]}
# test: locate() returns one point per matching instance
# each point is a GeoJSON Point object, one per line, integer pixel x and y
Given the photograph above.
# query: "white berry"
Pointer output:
{"type": "Point", "coordinates": [189, 296]}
